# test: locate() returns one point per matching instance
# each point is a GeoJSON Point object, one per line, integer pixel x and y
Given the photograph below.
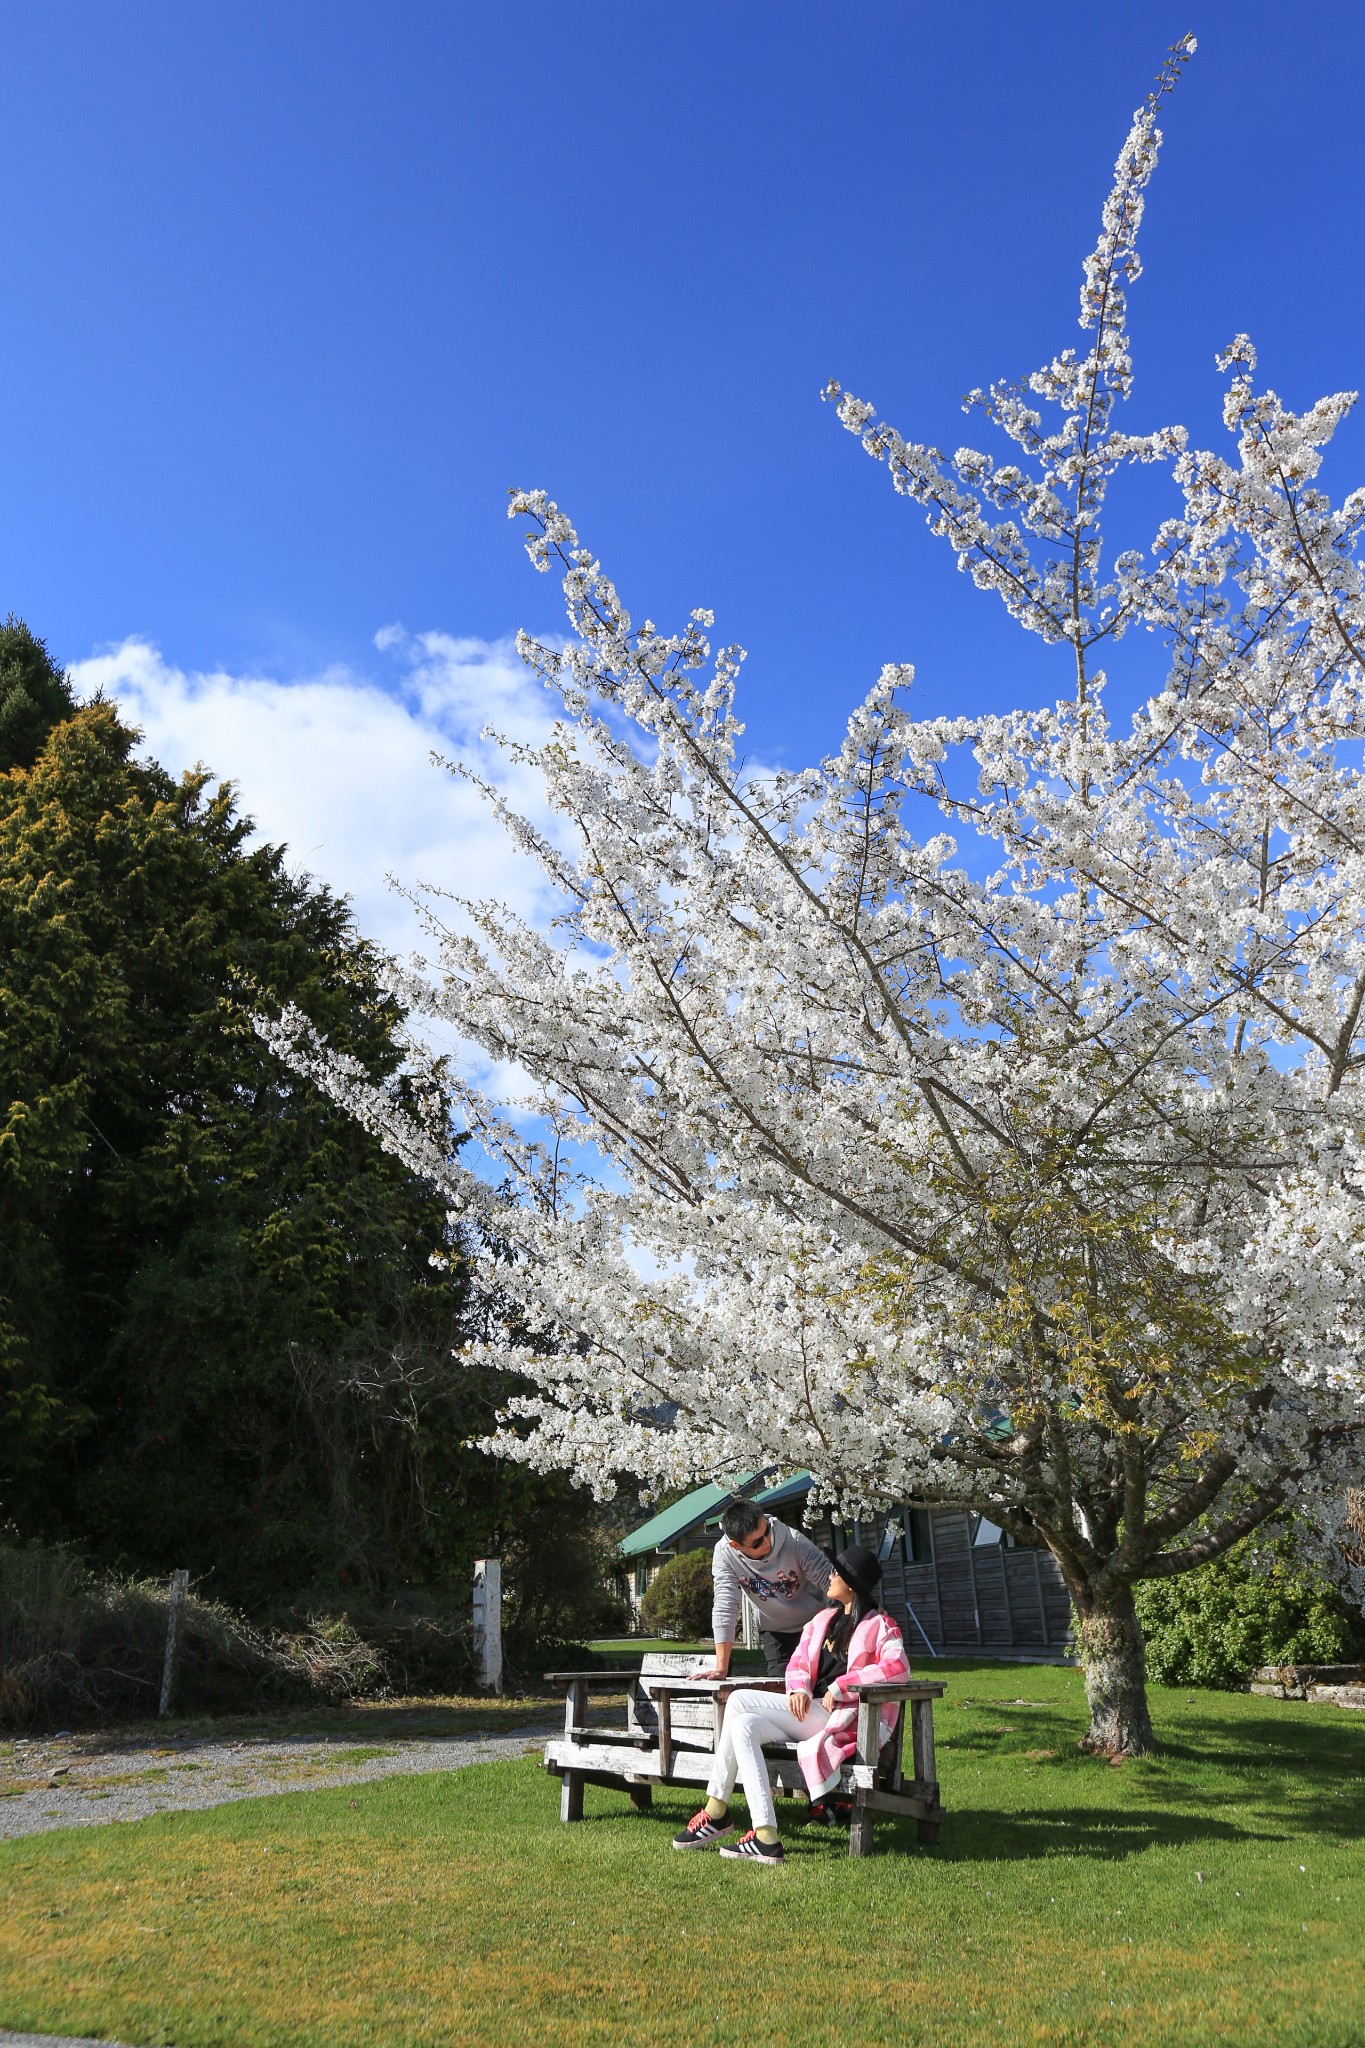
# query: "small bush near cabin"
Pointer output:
{"type": "Point", "coordinates": [678, 1602]}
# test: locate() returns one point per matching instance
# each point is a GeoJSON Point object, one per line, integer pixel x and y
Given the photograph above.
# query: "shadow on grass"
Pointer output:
{"type": "Point", "coordinates": [1252, 1779]}
{"type": "Point", "coordinates": [1230, 1771]}
{"type": "Point", "coordinates": [1314, 1746]}
{"type": "Point", "coordinates": [1103, 1836]}
{"type": "Point", "coordinates": [1024, 1837]}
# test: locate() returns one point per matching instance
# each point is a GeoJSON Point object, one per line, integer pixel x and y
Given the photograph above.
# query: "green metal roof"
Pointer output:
{"type": "Point", "coordinates": [684, 1514]}
{"type": "Point", "coordinates": [785, 1490]}
{"type": "Point", "coordinates": [699, 1506]}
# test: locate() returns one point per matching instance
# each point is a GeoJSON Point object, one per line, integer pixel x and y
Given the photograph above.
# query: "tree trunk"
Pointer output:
{"type": "Point", "coordinates": [1109, 1637]}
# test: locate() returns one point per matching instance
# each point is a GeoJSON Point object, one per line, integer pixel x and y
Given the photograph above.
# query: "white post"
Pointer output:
{"type": "Point", "coordinates": [180, 1585]}
{"type": "Point", "coordinates": [749, 1619]}
{"type": "Point", "coordinates": [488, 1621]}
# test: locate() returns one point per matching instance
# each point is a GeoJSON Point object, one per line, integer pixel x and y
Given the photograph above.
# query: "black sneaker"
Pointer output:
{"type": "Point", "coordinates": [750, 1850]}
{"type": "Point", "coordinates": [702, 1832]}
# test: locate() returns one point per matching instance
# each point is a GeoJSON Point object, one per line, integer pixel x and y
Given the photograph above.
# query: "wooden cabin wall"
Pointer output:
{"type": "Point", "coordinates": [967, 1598]}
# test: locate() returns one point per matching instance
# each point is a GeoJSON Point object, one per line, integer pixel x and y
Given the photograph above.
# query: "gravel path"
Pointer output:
{"type": "Point", "coordinates": [52, 2041]}
{"type": "Point", "coordinates": [76, 1782]}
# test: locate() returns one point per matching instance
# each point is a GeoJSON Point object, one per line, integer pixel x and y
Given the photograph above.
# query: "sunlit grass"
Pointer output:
{"type": "Point", "coordinates": [1214, 1894]}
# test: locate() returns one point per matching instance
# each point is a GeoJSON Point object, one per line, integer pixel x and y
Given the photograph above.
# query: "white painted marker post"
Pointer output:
{"type": "Point", "coordinates": [488, 1621]}
{"type": "Point", "coordinates": [180, 1586]}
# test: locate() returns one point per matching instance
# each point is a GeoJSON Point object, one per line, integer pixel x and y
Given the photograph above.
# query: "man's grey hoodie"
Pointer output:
{"type": "Point", "coordinates": [786, 1587]}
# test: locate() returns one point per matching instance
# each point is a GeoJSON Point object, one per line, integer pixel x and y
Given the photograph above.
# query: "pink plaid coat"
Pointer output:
{"type": "Point", "coordinates": [875, 1655]}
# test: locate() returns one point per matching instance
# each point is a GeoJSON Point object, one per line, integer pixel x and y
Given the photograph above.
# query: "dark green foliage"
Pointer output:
{"type": "Point", "coordinates": [1215, 1626]}
{"type": "Point", "coordinates": [76, 1646]}
{"type": "Point", "coordinates": [557, 1550]}
{"type": "Point", "coordinates": [34, 695]}
{"type": "Point", "coordinates": [678, 1602]}
{"type": "Point", "coordinates": [222, 1342]}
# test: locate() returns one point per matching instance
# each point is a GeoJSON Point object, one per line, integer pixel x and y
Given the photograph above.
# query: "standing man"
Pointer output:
{"type": "Point", "coordinates": [781, 1571]}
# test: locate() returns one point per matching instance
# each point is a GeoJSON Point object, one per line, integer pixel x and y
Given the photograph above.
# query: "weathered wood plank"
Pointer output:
{"type": "Point", "coordinates": [689, 1766]}
{"type": "Point", "coordinates": [610, 1781]}
{"type": "Point", "coordinates": [632, 1760]}
{"type": "Point", "coordinates": [575, 1706]}
{"type": "Point", "coordinates": [593, 1677]}
{"type": "Point", "coordinates": [865, 1761]}
{"type": "Point", "coordinates": [907, 1689]}
{"type": "Point", "coordinates": [697, 1705]}
{"type": "Point", "coordinates": [588, 1733]}
{"type": "Point", "coordinates": [922, 1741]}
{"type": "Point", "coordinates": [665, 1707]}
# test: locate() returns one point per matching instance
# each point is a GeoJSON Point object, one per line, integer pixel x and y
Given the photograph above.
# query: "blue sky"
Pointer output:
{"type": "Point", "coordinates": [297, 291]}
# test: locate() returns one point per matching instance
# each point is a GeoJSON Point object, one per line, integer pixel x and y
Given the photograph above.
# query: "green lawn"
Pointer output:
{"type": "Point", "coordinates": [630, 1649]}
{"type": "Point", "coordinates": [1213, 1895]}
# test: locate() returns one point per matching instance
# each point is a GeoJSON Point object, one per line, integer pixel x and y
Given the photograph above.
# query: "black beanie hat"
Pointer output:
{"type": "Point", "coordinates": [858, 1567]}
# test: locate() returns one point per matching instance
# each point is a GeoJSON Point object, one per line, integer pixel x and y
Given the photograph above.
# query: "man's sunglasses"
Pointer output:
{"type": "Point", "coordinates": [763, 1539]}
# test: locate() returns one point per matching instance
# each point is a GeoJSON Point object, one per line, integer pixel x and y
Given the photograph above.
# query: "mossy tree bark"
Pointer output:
{"type": "Point", "coordinates": [1109, 1637]}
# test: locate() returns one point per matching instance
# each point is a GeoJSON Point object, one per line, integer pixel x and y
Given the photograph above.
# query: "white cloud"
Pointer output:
{"type": "Point", "coordinates": [337, 766]}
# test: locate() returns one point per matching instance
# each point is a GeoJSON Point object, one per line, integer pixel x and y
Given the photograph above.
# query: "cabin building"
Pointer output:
{"type": "Point", "coordinates": [956, 1584]}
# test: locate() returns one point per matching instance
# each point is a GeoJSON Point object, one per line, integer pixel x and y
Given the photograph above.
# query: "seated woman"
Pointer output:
{"type": "Point", "coordinates": [847, 1644]}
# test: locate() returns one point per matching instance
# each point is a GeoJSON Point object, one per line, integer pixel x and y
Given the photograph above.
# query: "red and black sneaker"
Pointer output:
{"type": "Point", "coordinates": [702, 1832]}
{"type": "Point", "coordinates": [750, 1850]}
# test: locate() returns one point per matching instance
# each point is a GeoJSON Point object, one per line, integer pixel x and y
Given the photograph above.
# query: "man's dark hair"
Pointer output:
{"type": "Point", "coordinates": [740, 1519]}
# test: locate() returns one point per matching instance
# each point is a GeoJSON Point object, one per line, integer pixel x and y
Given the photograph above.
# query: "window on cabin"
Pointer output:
{"type": "Point", "coordinates": [641, 1581]}
{"type": "Point", "coordinates": [919, 1536]}
{"type": "Point", "coordinates": [986, 1534]}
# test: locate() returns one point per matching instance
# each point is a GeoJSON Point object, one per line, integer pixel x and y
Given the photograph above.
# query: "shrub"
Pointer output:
{"type": "Point", "coordinates": [78, 1646]}
{"type": "Point", "coordinates": [417, 1643]}
{"type": "Point", "coordinates": [678, 1603]}
{"type": "Point", "coordinates": [1216, 1625]}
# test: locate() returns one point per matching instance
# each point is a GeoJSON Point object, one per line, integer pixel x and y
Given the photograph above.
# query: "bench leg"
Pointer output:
{"type": "Point", "coordinates": [571, 1796]}
{"type": "Point", "coordinates": [641, 1797]}
{"type": "Point", "coordinates": [928, 1832]}
{"type": "Point", "coordinates": [867, 1752]}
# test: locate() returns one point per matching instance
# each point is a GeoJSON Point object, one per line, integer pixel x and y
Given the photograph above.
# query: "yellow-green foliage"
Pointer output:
{"type": "Point", "coordinates": [1212, 1895]}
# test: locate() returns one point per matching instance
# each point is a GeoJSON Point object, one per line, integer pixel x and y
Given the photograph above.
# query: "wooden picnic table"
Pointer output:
{"type": "Point", "coordinates": [673, 1726]}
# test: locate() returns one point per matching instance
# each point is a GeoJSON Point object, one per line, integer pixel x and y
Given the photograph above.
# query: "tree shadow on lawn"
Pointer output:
{"type": "Point", "coordinates": [1036, 1833]}
{"type": "Point", "coordinates": [1282, 1778]}
{"type": "Point", "coordinates": [1315, 1748]}
{"type": "Point", "coordinates": [1029, 1836]}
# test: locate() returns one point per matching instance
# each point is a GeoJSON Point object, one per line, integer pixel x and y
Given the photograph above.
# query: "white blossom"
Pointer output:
{"type": "Point", "coordinates": [1039, 1190]}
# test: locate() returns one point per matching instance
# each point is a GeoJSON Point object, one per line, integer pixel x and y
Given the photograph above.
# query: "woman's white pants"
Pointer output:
{"type": "Point", "coordinates": [751, 1719]}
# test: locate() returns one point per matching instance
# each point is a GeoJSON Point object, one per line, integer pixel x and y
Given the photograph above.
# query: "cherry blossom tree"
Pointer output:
{"type": "Point", "coordinates": [1026, 1176]}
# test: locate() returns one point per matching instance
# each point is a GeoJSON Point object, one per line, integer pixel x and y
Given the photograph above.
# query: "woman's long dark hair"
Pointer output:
{"type": "Point", "coordinates": [841, 1628]}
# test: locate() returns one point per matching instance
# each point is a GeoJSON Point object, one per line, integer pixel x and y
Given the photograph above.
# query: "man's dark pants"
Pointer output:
{"type": "Point", "coordinates": [778, 1645]}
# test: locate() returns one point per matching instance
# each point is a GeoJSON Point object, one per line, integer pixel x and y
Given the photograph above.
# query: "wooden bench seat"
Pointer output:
{"type": "Point", "coordinates": [673, 1723]}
